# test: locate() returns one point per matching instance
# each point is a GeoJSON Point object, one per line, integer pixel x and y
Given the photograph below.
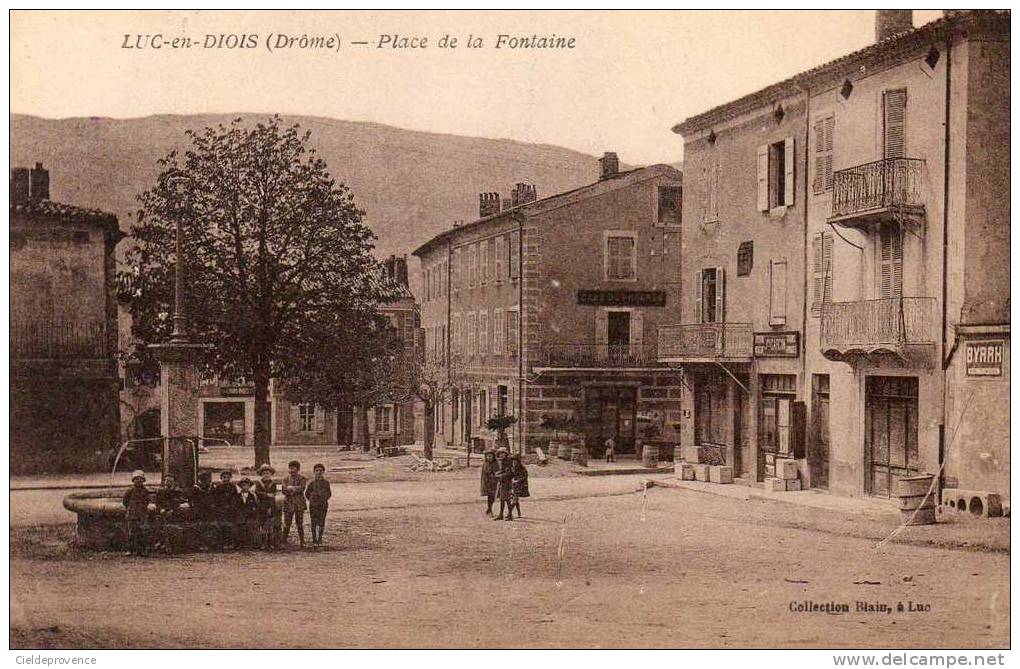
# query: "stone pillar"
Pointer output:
{"type": "Point", "coordinates": [179, 405]}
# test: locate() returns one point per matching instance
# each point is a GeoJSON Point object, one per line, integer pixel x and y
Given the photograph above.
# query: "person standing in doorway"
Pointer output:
{"type": "Point", "coordinates": [610, 449]}
{"type": "Point", "coordinates": [489, 480]}
{"type": "Point", "coordinates": [294, 503]}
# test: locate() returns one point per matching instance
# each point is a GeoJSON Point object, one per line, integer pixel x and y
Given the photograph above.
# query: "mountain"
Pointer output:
{"type": "Point", "coordinates": [412, 185]}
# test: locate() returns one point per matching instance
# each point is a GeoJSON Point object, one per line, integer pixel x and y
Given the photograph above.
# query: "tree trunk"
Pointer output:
{"type": "Point", "coordinates": [261, 427]}
{"type": "Point", "coordinates": [430, 432]}
{"type": "Point", "coordinates": [365, 441]}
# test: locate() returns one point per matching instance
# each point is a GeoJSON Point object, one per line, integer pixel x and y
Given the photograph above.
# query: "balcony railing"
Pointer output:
{"type": "Point", "coordinates": [892, 183]}
{"type": "Point", "coordinates": [705, 340]}
{"type": "Point", "coordinates": [876, 325]}
{"type": "Point", "coordinates": [58, 340]}
{"type": "Point", "coordinates": [595, 356]}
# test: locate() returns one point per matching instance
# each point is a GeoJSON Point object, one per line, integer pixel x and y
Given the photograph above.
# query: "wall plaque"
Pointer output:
{"type": "Point", "coordinates": [776, 344]}
{"type": "Point", "coordinates": [622, 298]}
{"type": "Point", "coordinates": [984, 358]}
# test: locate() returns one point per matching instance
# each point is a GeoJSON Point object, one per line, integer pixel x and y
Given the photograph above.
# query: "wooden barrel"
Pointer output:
{"type": "Point", "coordinates": [650, 455]}
{"type": "Point", "coordinates": [915, 497]}
{"type": "Point", "coordinates": [579, 456]}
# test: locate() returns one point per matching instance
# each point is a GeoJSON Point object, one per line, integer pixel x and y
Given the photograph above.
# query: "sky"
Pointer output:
{"type": "Point", "coordinates": [630, 77]}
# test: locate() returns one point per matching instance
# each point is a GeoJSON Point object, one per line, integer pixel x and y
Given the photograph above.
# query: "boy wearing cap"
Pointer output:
{"type": "Point", "coordinates": [318, 492]}
{"type": "Point", "coordinates": [269, 517]}
{"type": "Point", "coordinates": [225, 506]}
{"type": "Point", "coordinates": [247, 512]}
{"type": "Point", "coordinates": [136, 503]}
{"type": "Point", "coordinates": [294, 501]}
{"type": "Point", "coordinates": [504, 483]}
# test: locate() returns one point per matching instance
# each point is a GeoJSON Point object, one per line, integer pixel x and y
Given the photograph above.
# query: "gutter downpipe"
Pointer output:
{"type": "Point", "coordinates": [943, 360]}
{"type": "Point", "coordinates": [519, 217]}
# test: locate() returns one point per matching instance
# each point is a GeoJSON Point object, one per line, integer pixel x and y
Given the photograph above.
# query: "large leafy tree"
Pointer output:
{"type": "Point", "coordinates": [279, 265]}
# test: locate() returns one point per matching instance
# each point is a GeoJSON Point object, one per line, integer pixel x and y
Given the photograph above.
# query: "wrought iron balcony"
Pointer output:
{"type": "Point", "coordinates": [706, 341]}
{"type": "Point", "coordinates": [595, 356]}
{"type": "Point", "coordinates": [900, 326]}
{"type": "Point", "coordinates": [873, 193]}
{"type": "Point", "coordinates": [58, 340]}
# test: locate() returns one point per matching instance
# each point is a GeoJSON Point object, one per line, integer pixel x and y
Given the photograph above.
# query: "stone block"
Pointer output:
{"type": "Point", "coordinates": [773, 484]}
{"type": "Point", "coordinates": [786, 469]}
{"type": "Point", "coordinates": [684, 471]}
{"type": "Point", "coordinates": [793, 484]}
{"type": "Point", "coordinates": [700, 472]}
{"type": "Point", "coordinates": [981, 503]}
{"type": "Point", "coordinates": [720, 474]}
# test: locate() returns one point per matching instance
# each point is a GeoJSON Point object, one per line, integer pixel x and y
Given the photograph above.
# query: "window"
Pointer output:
{"type": "Point", "coordinates": [777, 292]}
{"type": "Point", "coordinates": [498, 332]}
{"type": "Point", "coordinates": [472, 333]}
{"type": "Point", "coordinates": [890, 262]}
{"type": "Point", "coordinates": [669, 205]}
{"type": "Point", "coordinates": [621, 258]}
{"type": "Point", "coordinates": [821, 281]}
{"type": "Point", "coordinates": [711, 182]}
{"type": "Point", "coordinates": [500, 262]}
{"type": "Point", "coordinates": [483, 333]}
{"type": "Point", "coordinates": [514, 254]}
{"type": "Point", "coordinates": [306, 417]}
{"type": "Point", "coordinates": [511, 332]}
{"type": "Point", "coordinates": [894, 117]}
{"type": "Point", "coordinates": [473, 268]}
{"type": "Point", "coordinates": [823, 130]}
{"type": "Point", "coordinates": [745, 258]}
{"type": "Point", "coordinates": [490, 265]}
{"type": "Point", "coordinates": [775, 175]}
{"type": "Point", "coordinates": [457, 275]}
{"type": "Point", "coordinates": [709, 302]}
{"type": "Point", "coordinates": [383, 418]}
{"type": "Point", "coordinates": [456, 334]}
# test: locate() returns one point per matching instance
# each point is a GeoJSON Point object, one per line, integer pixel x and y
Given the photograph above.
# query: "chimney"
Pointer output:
{"type": "Point", "coordinates": [609, 165]}
{"type": "Point", "coordinates": [890, 22]}
{"type": "Point", "coordinates": [523, 194]}
{"type": "Point", "coordinates": [400, 267]}
{"type": "Point", "coordinates": [39, 183]}
{"type": "Point", "coordinates": [488, 204]}
{"type": "Point", "coordinates": [19, 184]}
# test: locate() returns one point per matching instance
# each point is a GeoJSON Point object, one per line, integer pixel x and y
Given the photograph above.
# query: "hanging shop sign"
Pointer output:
{"type": "Point", "coordinates": [622, 298]}
{"type": "Point", "coordinates": [984, 358]}
{"type": "Point", "coordinates": [776, 344]}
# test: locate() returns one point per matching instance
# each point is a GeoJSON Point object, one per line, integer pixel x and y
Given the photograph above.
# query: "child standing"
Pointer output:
{"type": "Point", "coordinates": [136, 501]}
{"type": "Point", "coordinates": [269, 517]}
{"type": "Point", "coordinates": [610, 449]}
{"type": "Point", "coordinates": [504, 487]}
{"type": "Point", "coordinates": [248, 513]}
{"type": "Point", "coordinates": [294, 504]}
{"type": "Point", "coordinates": [318, 492]}
{"type": "Point", "coordinates": [518, 481]}
{"type": "Point", "coordinates": [489, 480]}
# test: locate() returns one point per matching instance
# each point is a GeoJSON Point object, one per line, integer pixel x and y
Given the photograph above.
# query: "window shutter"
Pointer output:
{"type": "Point", "coordinates": [763, 177]}
{"type": "Point", "coordinates": [817, 276]}
{"type": "Point", "coordinates": [514, 254]}
{"type": "Point", "coordinates": [483, 333]}
{"type": "Point", "coordinates": [789, 194]}
{"type": "Point", "coordinates": [720, 295]}
{"type": "Point", "coordinates": [818, 182]}
{"type": "Point", "coordinates": [826, 267]}
{"type": "Point", "coordinates": [295, 418]}
{"type": "Point", "coordinates": [601, 327]}
{"type": "Point", "coordinates": [499, 258]}
{"type": "Point", "coordinates": [699, 285]}
{"type": "Point", "coordinates": [637, 335]}
{"type": "Point", "coordinates": [320, 420]}
{"type": "Point", "coordinates": [895, 116]}
{"type": "Point", "coordinates": [777, 292]}
{"type": "Point", "coordinates": [891, 264]}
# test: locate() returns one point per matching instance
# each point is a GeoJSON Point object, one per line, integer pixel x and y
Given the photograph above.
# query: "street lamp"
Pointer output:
{"type": "Point", "coordinates": [176, 182]}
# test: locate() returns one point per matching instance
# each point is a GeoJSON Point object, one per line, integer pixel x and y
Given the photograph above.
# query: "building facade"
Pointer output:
{"type": "Point", "coordinates": [548, 310]}
{"type": "Point", "coordinates": [897, 275]}
{"type": "Point", "coordinates": [63, 330]}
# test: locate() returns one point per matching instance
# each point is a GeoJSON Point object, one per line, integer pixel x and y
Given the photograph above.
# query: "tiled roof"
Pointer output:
{"type": "Point", "coordinates": [63, 212]}
{"type": "Point", "coordinates": [889, 47]}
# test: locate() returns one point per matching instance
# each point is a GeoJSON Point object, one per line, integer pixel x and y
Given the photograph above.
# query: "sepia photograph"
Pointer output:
{"type": "Point", "coordinates": [559, 330]}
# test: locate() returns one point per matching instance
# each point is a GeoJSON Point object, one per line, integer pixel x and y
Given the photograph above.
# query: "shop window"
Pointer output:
{"type": "Point", "coordinates": [745, 258]}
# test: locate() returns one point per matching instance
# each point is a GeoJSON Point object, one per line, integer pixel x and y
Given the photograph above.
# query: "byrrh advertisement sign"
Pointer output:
{"type": "Point", "coordinates": [984, 358]}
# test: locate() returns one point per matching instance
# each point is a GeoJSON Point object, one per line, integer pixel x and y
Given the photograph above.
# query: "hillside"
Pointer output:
{"type": "Point", "coordinates": [411, 184]}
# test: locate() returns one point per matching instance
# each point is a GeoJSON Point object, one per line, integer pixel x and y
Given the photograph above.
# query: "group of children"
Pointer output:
{"type": "Point", "coordinates": [504, 477]}
{"type": "Point", "coordinates": [236, 515]}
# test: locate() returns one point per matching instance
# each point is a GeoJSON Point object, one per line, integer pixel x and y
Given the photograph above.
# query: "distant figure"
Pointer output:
{"type": "Point", "coordinates": [504, 486]}
{"type": "Point", "coordinates": [610, 449]}
{"type": "Point", "coordinates": [489, 480]}
{"type": "Point", "coordinates": [136, 501]}
{"type": "Point", "coordinates": [317, 492]}
{"type": "Point", "coordinates": [518, 481]}
{"type": "Point", "coordinates": [269, 516]}
{"type": "Point", "coordinates": [294, 504]}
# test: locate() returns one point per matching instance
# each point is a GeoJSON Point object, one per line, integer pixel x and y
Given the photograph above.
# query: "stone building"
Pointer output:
{"type": "Point", "coordinates": [896, 260]}
{"type": "Point", "coordinates": [63, 330]}
{"type": "Point", "coordinates": [547, 309]}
